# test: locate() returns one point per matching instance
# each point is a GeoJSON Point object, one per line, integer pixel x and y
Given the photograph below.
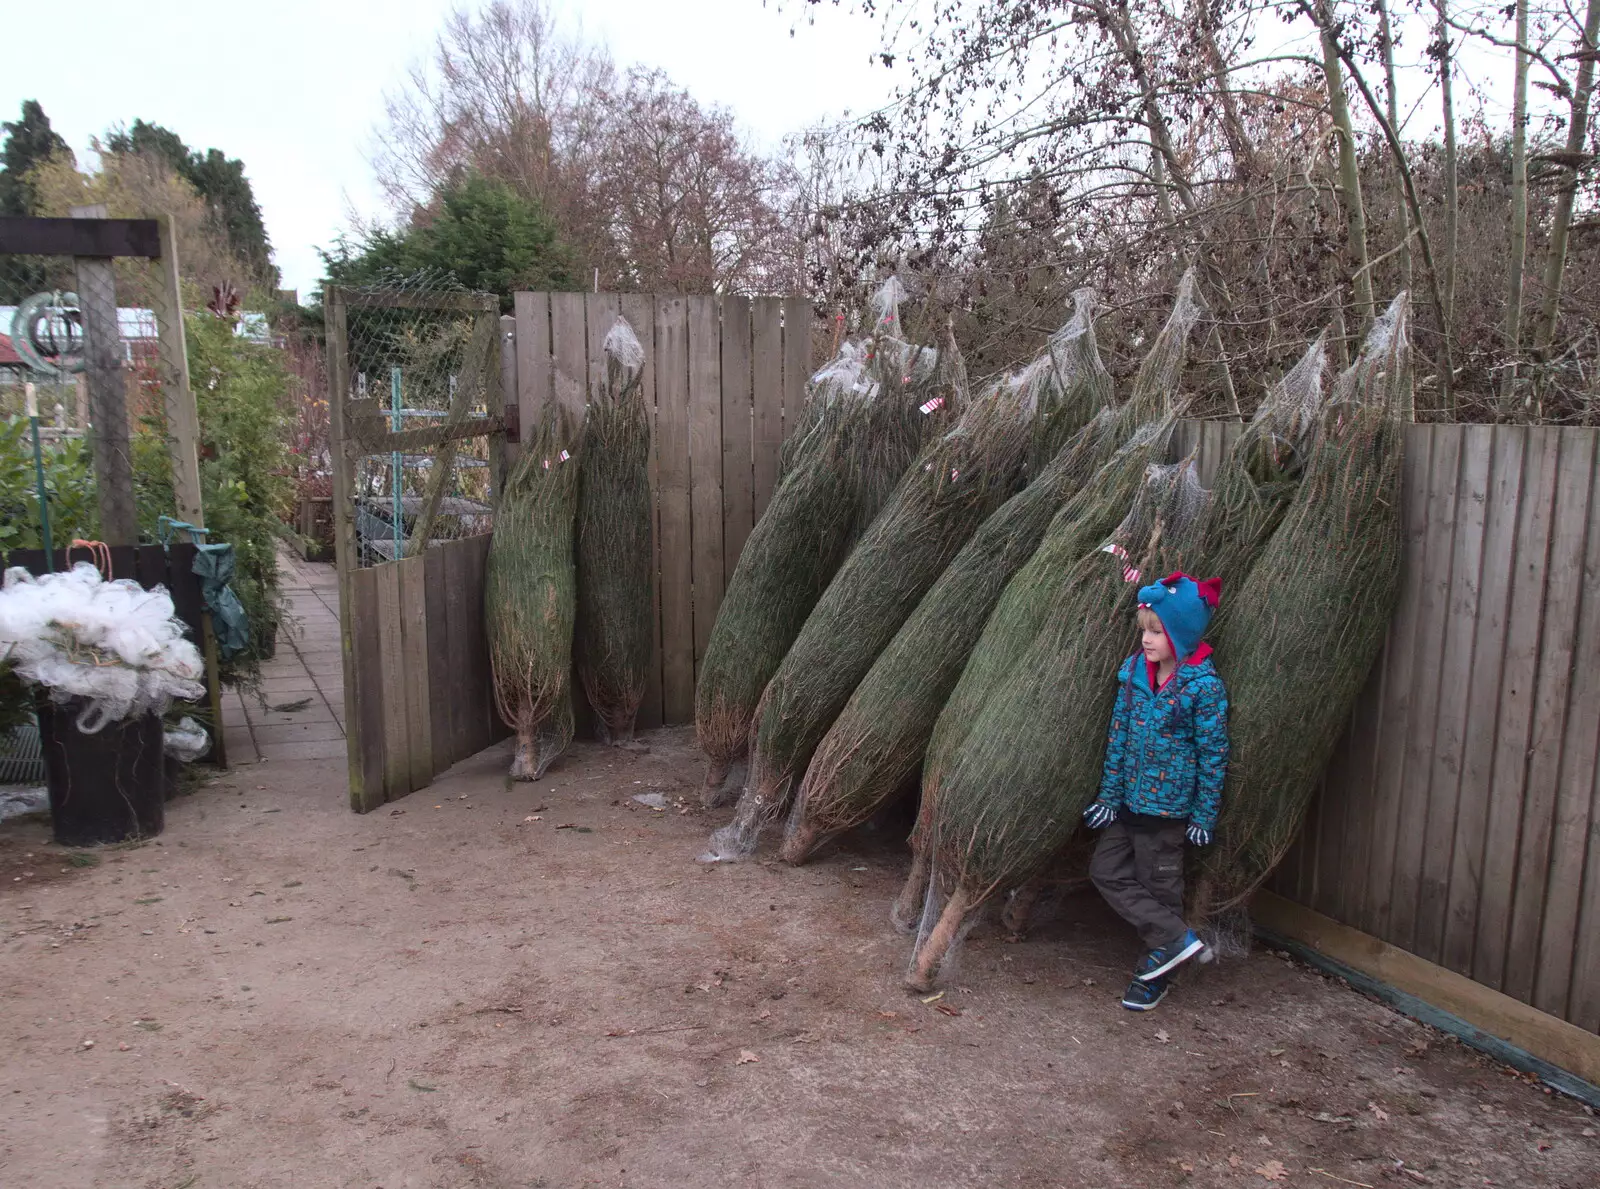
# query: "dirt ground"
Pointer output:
{"type": "Point", "coordinates": [538, 986]}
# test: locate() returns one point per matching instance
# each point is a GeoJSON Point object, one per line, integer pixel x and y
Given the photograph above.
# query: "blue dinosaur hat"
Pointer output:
{"type": "Point", "coordinates": [1184, 607]}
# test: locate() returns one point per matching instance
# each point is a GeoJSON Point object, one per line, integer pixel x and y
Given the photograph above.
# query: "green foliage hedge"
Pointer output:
{"type": "Point", "coordinates": [241, 388]}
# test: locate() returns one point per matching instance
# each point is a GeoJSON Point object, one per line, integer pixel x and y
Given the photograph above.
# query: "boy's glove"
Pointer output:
{"type": "Point", "coordinates": [1198, 835]}
{"type": "Point", "coordinates": [1099, 815]}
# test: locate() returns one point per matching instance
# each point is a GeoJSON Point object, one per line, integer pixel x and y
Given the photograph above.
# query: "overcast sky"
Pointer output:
{"type": "Point", "coordinates": [294, 87]}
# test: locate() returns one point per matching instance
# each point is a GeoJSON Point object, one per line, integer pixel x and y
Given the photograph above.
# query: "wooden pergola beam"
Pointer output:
{"type": "Point", "coordinates": [27, 236]}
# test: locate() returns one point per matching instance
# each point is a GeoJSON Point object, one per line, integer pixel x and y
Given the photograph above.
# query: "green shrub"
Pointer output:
{"type": "Point", "coordinates": [69, 484]}
{"type": "Point", "coordinates": [246, 486]}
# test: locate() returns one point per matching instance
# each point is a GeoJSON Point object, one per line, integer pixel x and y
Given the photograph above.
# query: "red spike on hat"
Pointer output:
{"type": "Point", "coordinates": [1210, 589]}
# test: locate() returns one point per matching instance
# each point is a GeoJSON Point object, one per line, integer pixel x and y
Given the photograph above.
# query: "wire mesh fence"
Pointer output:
{"type": "Point", "coordinates": [421, 368]}
{"type": "Point", "coordinates": [77, 336]}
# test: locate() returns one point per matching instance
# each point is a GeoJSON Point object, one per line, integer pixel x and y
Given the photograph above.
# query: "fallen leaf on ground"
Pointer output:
{"type": "Point", "coordinates": [1234, 1162]}
{"type": "Point", "coordinates": [1272, 1170]}
{"type": "Point", "coordinates": [1162, 1036]}
{"type": "Point", "coordinates": [396, 812]}
{"type": "Point", "coordinates": [746, 1057]}
{"type": "Point", "coordinates": [1378, 1112]}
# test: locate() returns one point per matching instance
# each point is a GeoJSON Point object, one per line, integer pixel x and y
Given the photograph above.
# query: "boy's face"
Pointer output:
{"type": "Point", "coordinates": [1153, 639]}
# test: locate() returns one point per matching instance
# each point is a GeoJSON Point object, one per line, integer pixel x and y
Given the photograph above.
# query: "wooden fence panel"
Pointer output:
{"type": "Point", "coordinates": [569, 351]}
{"type": "Point", "coordinates": [442, 705]}
{"type": "Point", "coordinates": [705, 469]}
{"type": "Point", "coordinates": [766, 359]}
{"type": "Point", "coordinates": [600, 312]}
{"type": "Point", "coordinates": [414, 627]}
{"type": "Point", "coordinates": [364, 696]}
{"type": "Point", "coordinates": [797, 318]}
{"type": "Point", "coordinates": [391, 669]}
{"type": "Point", "coordinates": [1454, 623]}
{"type": "Point", "coordinates": [1530, 898]}
{"type": "Point", "coordinates": [1514, 724]}
{"type": "Point", "coordinates": [738, 481]}
{"type": "Point", "coordinates": [722, 379]}
{"type": "Point", "coordinates": [640, 311]}
{"type": "Point", "coordinates": [676, 518]}
{"type": "Point", "coordinates": [1458, 817]}
{"type": "Point", "coordinates": [1503, 452]}
{"type": "Point", "coordinates": [1575, 609]}
{"type": "Point", "coordinates": [533, 357]}
{"type": "Point", "coordinates": [1436, 502]}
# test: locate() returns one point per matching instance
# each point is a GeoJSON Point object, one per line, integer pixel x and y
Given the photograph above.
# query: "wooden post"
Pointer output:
{"type": "Point", "coordinates": [496, 402]}
{"type": "Point", "coordinates": [183, 414]}
{"type": "Point", "coordinates": [335, 321]}
{"type": "Point", "coordinates": [108, 399]}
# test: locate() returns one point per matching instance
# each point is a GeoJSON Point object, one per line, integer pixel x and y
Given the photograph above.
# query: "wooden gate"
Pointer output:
{"type": "Point", "coordinates": [416, 661]}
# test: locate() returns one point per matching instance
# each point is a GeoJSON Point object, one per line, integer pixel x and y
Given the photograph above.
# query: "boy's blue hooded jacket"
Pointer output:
{"type": "Point", "coordinates": [1167, 753]}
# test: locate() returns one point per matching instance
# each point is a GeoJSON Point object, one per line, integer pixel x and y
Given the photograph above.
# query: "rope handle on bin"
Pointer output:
{"type": "Point", "coordinates": [99, 553]}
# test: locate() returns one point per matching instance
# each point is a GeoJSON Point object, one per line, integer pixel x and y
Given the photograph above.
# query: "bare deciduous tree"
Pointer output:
{"type": "Point", "coordinates": [650, 189]}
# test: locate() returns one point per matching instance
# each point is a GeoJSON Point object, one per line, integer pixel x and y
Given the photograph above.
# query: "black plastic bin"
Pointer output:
{"type": "Point", "coordinates": [105, 787]}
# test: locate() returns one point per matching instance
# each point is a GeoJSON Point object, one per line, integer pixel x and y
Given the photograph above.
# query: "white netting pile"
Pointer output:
{"type": "Point", "coordinates": [113, 644]}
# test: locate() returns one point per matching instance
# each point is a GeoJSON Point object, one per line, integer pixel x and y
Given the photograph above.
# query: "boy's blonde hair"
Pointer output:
{"type": "Point", "coordinates": [1149, 621]}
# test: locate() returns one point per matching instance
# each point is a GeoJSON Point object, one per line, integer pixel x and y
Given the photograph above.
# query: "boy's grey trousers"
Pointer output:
{"type": "Point", "coordinates": [1140, 873]}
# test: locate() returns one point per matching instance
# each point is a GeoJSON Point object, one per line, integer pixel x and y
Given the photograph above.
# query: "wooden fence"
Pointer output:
{"type": "Point", "coordinates": [421, 697]}
{"type": "Point", "coordinates": [1460, 819]}
{"type": "Point", "coordinates": [723, 376]}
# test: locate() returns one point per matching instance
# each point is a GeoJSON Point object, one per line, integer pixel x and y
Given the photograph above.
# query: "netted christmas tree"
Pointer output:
{"type": "Point", "coordinates": [1011, 794]}
{"type": "Point", "coordinates": [875, 746]}
{"type": "Point", "coordinates": [615, 637]}
{"type": "Point", "coordinates": [1255, 482]}
{"type": "Point", "coordinates": [1258, 478]}
{"type": "Point", "coordinates": [1296, 641]}
{"type": "Point", "coordinates": [951, 489]}
{"type": "Point", "coordinates": [867, 415]}
{"type": "Point", "coordinates": [1138, 434]}
{"type": "Point", "coordinates": [530, 592]}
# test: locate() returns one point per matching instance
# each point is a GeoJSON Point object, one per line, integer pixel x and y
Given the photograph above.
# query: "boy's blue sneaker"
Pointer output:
{"type": "Point", "coordinates": [1162, 961]}
{"type": "Point", "coordinates": [1143, 994]}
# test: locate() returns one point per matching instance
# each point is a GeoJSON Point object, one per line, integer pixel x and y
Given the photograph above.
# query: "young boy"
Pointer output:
{"type": "Point", "coordinates": [1165, 762]}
